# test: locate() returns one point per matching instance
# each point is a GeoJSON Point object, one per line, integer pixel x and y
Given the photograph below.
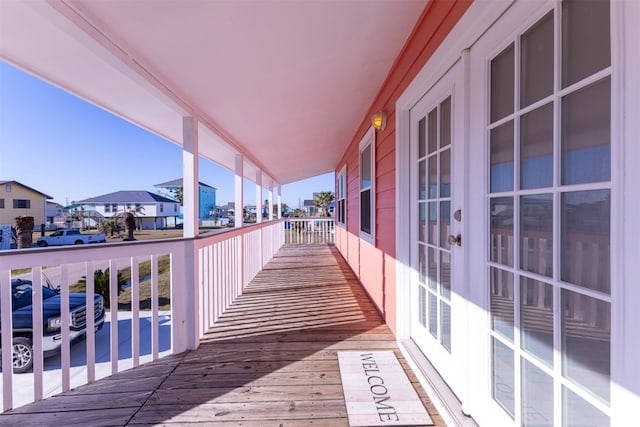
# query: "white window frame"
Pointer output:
{"type": "Point", "coordinates": [368, 140]}
{"type": "Point", "coordinates": [341, 196]}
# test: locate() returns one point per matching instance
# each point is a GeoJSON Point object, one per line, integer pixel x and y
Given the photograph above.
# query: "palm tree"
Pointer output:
{"type": "Point", "coordinates": [110, 226]}
{"type": "Point", "coordinates": [24, 231]}
{"type": "Point", "coordinates": [129, 220]}
{"type": "Point", "coordinates": [178, 194]}
{"type": "Point", "coordinates": [322, 201]}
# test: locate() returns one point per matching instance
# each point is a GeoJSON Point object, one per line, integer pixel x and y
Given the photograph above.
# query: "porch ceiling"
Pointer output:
{"type": "Point", "coordinates": [286, 83]}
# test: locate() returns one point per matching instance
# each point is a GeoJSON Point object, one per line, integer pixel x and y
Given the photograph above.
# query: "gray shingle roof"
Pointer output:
{"type": "Point", "coordinates": [178, 183]}
{"type": "Point", "coordinates": [128, 197]}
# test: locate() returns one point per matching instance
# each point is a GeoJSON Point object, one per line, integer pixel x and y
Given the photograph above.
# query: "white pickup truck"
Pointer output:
{"type": "Point", "coordinates": [70, 237]}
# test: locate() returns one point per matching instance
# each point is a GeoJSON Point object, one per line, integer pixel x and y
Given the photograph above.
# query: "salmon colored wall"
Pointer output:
{"type": "Point", "coordinates": [375, 265]}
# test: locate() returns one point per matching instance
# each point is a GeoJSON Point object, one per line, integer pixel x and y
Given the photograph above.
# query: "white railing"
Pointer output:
{"type": "Point", "coordinates": [309, 230]}
{"type": "Point", "coordinates": [227, 262]}
{"type": "Point", "coordinates": [159, 316]}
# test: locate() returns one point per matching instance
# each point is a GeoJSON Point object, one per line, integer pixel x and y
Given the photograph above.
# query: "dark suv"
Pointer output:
{"type": "Point", "coordinates": [21, 292]}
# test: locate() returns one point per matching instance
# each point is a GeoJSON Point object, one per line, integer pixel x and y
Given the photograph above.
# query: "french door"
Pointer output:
{"type": "Point", "coordinates": [547, 192]}
{"type": "Point", "coordinates": [436, 216]}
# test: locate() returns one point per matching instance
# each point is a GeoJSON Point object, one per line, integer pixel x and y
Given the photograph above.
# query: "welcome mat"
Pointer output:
{"type": "Point", "coordinates": [377, 391]}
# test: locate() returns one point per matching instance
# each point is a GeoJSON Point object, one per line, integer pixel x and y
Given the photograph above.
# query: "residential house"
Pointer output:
{"type": "Point", "coordinates": [487, 210]}
{"type": "Point", "coordinates": [152, 210]}
{"type": "Point", "coordinates": [53, 211]}
{"type": "Point", "coordinates": [17, 199]}
{"type": "Point", "coordinates": [206, 197]}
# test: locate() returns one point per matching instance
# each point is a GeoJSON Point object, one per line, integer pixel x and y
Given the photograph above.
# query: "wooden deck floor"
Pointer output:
{"type": "Point", "coordinates": [270, 360]}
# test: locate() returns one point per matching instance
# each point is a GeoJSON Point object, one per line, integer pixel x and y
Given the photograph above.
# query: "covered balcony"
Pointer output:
{"type": "Point", "coordinates": [233, 327]}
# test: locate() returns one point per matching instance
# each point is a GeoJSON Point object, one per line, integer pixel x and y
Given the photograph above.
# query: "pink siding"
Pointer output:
{"type": "Point", "coordinates": [375, 265]}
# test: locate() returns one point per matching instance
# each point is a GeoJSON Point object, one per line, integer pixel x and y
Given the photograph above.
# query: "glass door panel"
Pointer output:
{"type": "Point", "coordinates": [432, 207]}
{"type": "Point", "coordinates": [548, 197]}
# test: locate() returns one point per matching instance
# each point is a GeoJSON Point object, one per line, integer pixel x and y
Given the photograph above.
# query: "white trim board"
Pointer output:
{"type": "Point", "coordinates": [377, 391]}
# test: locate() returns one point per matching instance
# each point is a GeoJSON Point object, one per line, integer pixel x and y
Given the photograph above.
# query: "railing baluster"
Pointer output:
{"type": "Point", "coordinates": [91, 330]}
{"type": "Point", "coordinates": [154, 307]}
{"type": "Point", "coordinates": [65, 322]}
{"type": "Point", "coordinates": [135, 311]}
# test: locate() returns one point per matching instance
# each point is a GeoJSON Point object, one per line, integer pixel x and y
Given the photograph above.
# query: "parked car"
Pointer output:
{"type": "Point", "coordinates": [70, 237]}
{"type": "Point", "coordinates": [22, 318]}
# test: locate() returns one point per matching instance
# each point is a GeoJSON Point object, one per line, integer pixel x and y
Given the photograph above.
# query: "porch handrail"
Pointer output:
{"type": "Point", "coordinates": [206, 274]}
{"type": "Point", "coordinates": [309, 230]}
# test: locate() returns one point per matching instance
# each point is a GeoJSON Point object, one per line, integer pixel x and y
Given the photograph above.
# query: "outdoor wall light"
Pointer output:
{"type": "Point", "coordinates": [379, 120]}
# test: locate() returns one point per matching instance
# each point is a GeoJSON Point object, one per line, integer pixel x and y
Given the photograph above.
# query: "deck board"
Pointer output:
{"type": "Point", "coordinates": [271, 359]}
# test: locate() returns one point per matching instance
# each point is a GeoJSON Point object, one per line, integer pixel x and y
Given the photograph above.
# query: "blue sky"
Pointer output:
{"type": "Point", "coordinates": [71, 150]}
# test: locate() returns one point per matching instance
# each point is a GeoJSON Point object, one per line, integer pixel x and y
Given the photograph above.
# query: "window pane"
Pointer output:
{"type": "Point", "coordinates": [422, 179]}
{"type": "Point", "coordinates": [433, 223]}
{"type": "Point", "coordinates": [432, 131]}
{"type": "Point", "coordinates": [537, 397]}
{"type": "Point", "coordinates": [445, 122]}
{"type": "Point", "coordinates": [502, 376]}
{"type": "Point", "coordinates": [502, 308]}
{"type": "Point", "coordinates": [433, 177]}
{"type": "Point", "coordinates": [433, 315]}
{"type": "Point", "coordinates": [365, 211]}
{"type": "Point", "coordinates": [585, 234]}
{"type": "Point", "coordinates": [445, 224]}
{"type": "Point", "coordinates": [536, 234]}
{"type": "Point", "coordinates": [422, 140]}
{"type": "Point", "coordinates": [536, 313]}
{"type": "Point", "coordinates": [536, 62]}
{"type": "Point", "coordinates": [585, 39]}
{"type": "Point", "coordinates": [422, 262]}
{"type": "Point", "coordinates": [445, 274]}
{"type": "Point", "coordinates": [422, 222]}
{"type": "Point", "coordinates": [445, 325]}
{"type": "Point", "coordinates": [586, 342]}
{"type": "Point", "coordinates": [433, 269]}
{"type": "Point", "coordinates": [502, 83]}
{"type": "Point", "coordinates": [422, 308]}
{"type": "Point", "coordinates": [578, 412]}
{"type": "Point", "coordinates": [365, 167]}
{"type": "Point", "coordinates": [586, 134]}
{"type": "Point", "coordinates": [536, 148]}
{"type": "Point", "coordinates": [502, 158]}
{"type": "Point", "coordinates": [501, 228]}
{"type": "Point", "coordinates": [445, 173]}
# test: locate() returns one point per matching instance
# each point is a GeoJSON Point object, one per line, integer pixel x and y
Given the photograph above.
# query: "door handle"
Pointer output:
{"type": "Point", "coordinates": [454, 240]}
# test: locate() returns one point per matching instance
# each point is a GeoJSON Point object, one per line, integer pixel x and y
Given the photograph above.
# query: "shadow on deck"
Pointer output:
{"type": "Point", "coordinates": [270, 359]}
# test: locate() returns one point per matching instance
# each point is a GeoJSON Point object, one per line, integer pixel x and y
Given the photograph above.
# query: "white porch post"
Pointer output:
{"type": "Point", "coordinates": [279, 201]}
{"type": "Point", "coordinates": [190, 175]}
{"type": "Point", "coordinates": [258, 196]}
{"type": "Point", "coordinates": [190, 210]}
{"type": "Point", "coordinates": [239, 191]}
{"type": "Point", "coordinates": [270, 198]}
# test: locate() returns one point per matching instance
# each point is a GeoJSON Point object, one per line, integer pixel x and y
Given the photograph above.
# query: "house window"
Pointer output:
{"type": "Point", "coordinates": [21, 204]}
{"type": "Point", "coordinates": [367, 190]}
{"type": "Point", "coordinates": [161, 207]}
{"type": "Point", "coordinates": [1, 203]}
{"type": "Point", "coordinates": [175, 208]}
{"type": "Point", "coordinates": [107, 208]}
{"type": "Point", "coordinates": [7, 187]}
{"type": "Point", "coordinates": [341, 190]}
{"type": "Point", "coordinates": [114, 208]}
